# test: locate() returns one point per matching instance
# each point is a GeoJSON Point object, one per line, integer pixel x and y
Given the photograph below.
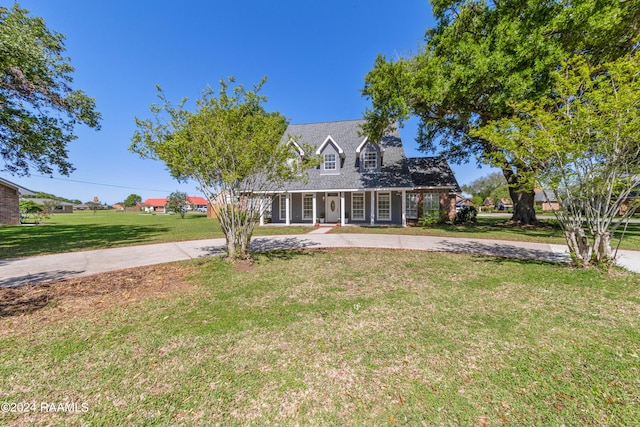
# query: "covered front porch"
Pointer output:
{"type": "Point", "coordinates": [359, 207]}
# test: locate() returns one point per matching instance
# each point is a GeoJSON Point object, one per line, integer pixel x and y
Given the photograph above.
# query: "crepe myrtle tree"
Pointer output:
{"type": "Point", "coordinates": [584, 142]}
{"type": "Point", "coordinates": [231, 146]}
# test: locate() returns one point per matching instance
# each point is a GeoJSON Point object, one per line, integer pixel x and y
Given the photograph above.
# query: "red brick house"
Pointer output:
{"type": "Point", "coordinates": [10, 202]}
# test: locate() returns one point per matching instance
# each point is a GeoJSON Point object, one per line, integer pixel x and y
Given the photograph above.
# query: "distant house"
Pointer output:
{"type": "Point", "coordinates": [367, 182]}
{"type": "Point", "coordinates": [546, 199]}
{"type": "Point", "coordinates": [10, 201]}
{"type": "Point", "coordinates": [160, 204]}
{"type": "Point", "coordinates": [155, 205]}
{"type": "Point", "coordinates": [197, 203]}
{"type": "Point", "coordinates": [504, 204]}
{"type": "Point", "coordinates": [462, 202]}
{"type": "Point", "coordinates": [54, 206]}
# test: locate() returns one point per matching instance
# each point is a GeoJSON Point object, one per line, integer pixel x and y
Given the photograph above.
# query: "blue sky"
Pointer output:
{"type": "Point", "coordinates": [315, 54]}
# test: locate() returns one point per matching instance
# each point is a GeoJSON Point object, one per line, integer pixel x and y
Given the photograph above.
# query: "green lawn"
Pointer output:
{"type": "Point", "coordinates": [547, 231]}
{"type": "Point", "coordinates": [107, 229]}
{"type": "Point", "coordinates": [389, 337]}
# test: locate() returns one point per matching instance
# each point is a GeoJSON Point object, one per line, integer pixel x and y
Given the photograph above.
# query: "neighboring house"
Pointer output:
{"type": "Point", "coordinates": [462, 202]}
{"type": "Point", "coordinates": [10, 201]}
{"type": "Point", "coordinates": [546, 199]}
{"type": "Point", "coordinates": [197, 203]}
{"type": "Point", "coordinates": [504, 204]}
{"type": "Point", "coordinates": [362, 182]}
{"type": "Point", "coordinates": [160, 205]}
{"type": "Point", "coordinates": [155, 205]}
{"type": "Point", "coordinates": [53, 206]}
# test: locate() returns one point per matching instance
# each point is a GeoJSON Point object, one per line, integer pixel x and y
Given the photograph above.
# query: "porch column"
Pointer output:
{"type": "Point", "coordinates": [315, 210]}
{"type": "Point", "coordinates": [404, 208]}
{"type": "Point", "coordinates": [261, 207]}
{"type": "Point", "coordinates": [373, 206]}
{"type": "Point", "coordinates": [342, 207]}
{"type": "Point", "coordinates": [287, 205]}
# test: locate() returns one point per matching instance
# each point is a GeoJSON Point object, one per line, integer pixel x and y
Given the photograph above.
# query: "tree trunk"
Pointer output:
{"type": "Point", "coordinates": [602, 248]}
{"type": "Point", "coordinates": [579, 248]}
{"type": "Point", "coordinates": [523, 204]}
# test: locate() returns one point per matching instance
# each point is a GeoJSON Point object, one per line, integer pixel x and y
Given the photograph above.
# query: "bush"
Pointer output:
{"type": "Point", "coordinates": [428, 220]}
{"type": "Point", "coordinates": [466, 214]}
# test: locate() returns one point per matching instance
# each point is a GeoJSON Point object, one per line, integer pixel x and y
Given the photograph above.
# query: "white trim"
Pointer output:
{"type": "Point", "coordinates": [388, 193]}
{"type": "Point", "coordinates": [404, 208]}
{"type": "Point", "coordinates": [324, 144]}
{"type": "Point", "coordinates": [364, 210]}
{"type": "Point", "coordinates": [372, 203]}
{"type": "Point", "coordinates": [362, 145]}
{"type": "Point", "coordinates": [312, 217]}
{"type": "Point", "coordinates": [337, 190]}
{"type": "Point", "coordinates": [324, 162]}
{"type": "Point", "coordinates": [288, 206]}
{"type": "Point", "coordinates": [297, 146]}
{"type": "Point", "coordinates": [375, 161]}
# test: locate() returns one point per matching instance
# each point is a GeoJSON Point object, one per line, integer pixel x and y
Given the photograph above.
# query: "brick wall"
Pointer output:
{"type": "Point", "coordinates": [9, 205]}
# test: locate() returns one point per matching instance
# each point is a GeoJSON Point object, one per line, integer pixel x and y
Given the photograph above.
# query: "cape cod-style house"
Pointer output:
{"type": "Point", "coordinates": [363, 182]}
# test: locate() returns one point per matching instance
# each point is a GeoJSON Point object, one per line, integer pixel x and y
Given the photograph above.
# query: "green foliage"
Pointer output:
{"type": "Point", "coordinates": [465, 215]}
{"type": "Point", "coordinates": [484, 186]}
{"type": "Point", "coordinates": [499, 193]}
{"type": "Point", "coordinates": [480, 59]}
{"type": "Point", "coordinates": [428, 220]}
{"type": "Point", "coordinates": [230, 146]}
{"type": "Point", "coordinates": [39, 108]}
{"type": "Point", "coordinates": [29, 206]}
{"type": "Point", "coordinates": [132, 200]}
{"type": "Point", "coordinates": [177, 203]}
{"type": "Point", "coordinates": [583, 140]}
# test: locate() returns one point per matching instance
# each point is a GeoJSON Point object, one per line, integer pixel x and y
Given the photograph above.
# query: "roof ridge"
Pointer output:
{"type": "Point", "coordinates": [328, 121]}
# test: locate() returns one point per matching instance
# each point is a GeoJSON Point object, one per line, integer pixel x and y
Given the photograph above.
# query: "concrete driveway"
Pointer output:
{"type": "Point", "coordinates": [16, 272]}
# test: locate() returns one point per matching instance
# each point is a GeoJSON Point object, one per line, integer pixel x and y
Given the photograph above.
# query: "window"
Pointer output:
{"type": "Point", "coordinates": [307, 206]}
{"type": "Point", "coordinates": [384, 206]}
{"type": "Point", "coordinates": [283, 207]}
{"type": "Point", "coordinates": [329, 162]}
{"type": "Point", "coordinates": [370, 160]}
{"type": "Point", "coordinates": [412, 205]}
{"type": "Point", "coordinates": [431, 205]}
{"type": "Point", "coordinates": [357, 206]}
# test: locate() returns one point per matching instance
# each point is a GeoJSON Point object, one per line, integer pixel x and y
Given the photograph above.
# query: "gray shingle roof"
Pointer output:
{"type": "Point", "coordinates": [545, 196]}
{"type": "Point", "coordinates": [394, 172]}
{"type": "Point", "coordinates": [432, 172]}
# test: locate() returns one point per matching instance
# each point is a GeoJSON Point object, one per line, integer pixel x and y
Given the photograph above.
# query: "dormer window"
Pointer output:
{"type": "Point", "coordinates": [330, 162]}
{"type": "Point", "coordinates": [370, 160]}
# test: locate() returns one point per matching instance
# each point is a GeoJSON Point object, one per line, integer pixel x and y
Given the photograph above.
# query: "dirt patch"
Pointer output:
{"type": "Point", "coordinates": [51, 301]}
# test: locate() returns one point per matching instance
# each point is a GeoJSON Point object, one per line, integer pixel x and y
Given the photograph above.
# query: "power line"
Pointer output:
{"type": "Point", "coordinates": [102, 184]}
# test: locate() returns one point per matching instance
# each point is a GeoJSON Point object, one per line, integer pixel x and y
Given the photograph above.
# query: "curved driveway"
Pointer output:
{"type": "Point", "coordinates": [16, 272]}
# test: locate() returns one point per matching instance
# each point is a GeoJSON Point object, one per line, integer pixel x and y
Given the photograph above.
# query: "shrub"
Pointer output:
{"type": "Point", "coordinates": [466, 214]}
{"type": "Point", "coordinates": [428, 220]}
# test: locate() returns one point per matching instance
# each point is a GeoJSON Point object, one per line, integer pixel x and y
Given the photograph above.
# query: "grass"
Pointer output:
{"type": "Point", "coordinates": [547, 231]}
{"type": "Point", "coordinates": [107, 229]}
{"type": "Point", "coordinates": [342, 337]}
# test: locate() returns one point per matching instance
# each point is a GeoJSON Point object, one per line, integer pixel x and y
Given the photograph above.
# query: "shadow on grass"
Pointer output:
{"type": "Point", "coordinates": [504, 251]}
{"type": "Point", "coordinates": [18, 242]}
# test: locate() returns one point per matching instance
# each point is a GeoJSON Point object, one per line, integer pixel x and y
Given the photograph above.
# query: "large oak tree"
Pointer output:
{"type": "Point", "coordinates": [480, 59]}
{"type": "Point", "coordinates": [38, 107]}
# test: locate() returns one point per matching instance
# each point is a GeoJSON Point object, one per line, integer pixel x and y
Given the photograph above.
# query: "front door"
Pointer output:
{"type": "Point", "coordinates": [333, 208]}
